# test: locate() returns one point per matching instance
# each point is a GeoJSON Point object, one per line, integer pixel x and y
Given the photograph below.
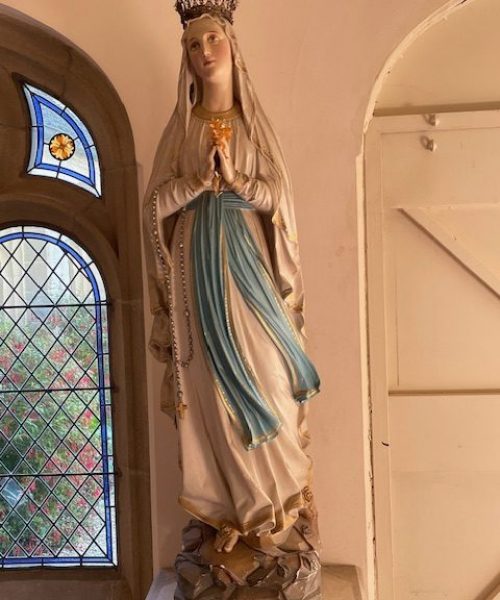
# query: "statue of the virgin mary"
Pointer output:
{"type": "Point", "coordinates": [226, 293]}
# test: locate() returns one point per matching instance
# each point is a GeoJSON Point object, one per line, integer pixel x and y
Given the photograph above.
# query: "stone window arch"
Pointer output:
{"type": "Point", "coordinates": [108, 227]}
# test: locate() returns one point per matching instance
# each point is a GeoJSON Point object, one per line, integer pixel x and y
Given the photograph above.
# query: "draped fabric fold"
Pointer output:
{"type": "Point", "coordinates": [222, 247]}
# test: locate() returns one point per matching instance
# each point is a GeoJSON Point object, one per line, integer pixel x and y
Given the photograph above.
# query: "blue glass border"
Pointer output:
{"type": "Point", "coordinates": [107, 471]}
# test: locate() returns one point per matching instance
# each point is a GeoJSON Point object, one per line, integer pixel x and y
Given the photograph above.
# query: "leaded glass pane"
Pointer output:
{"type": "Point", "coordinates": [57, 487]}
{"type": "Point", "coordinates": [61, 144]}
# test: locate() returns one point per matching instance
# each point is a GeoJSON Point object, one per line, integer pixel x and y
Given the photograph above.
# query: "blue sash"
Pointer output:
{"type": "Point", "coordinates": [223, 244]}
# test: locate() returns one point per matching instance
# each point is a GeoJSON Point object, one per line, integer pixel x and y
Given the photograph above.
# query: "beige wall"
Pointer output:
{"type": "Point", "coordinates": [314, 65]}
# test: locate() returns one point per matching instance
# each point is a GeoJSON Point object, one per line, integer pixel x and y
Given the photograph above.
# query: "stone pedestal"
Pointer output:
{"type": "Point", "coordinates": [338, 582]}
{"type": "Point", "coordinates": [291, 571]}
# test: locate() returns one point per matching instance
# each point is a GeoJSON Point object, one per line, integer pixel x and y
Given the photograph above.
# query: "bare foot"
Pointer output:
{"type": "Point", "coordinates": [226, 539]}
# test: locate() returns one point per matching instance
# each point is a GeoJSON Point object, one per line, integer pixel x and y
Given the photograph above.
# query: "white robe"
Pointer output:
{"type": "Point", "coordinates": [254, 491]}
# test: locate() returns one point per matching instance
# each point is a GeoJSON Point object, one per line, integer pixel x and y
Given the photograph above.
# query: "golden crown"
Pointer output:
{"type": "Point", "coordinates": [190, 9]}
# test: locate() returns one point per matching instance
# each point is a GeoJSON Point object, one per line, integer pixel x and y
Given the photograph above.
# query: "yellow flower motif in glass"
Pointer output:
{"type": "Point", "coordinates": [62, 146]}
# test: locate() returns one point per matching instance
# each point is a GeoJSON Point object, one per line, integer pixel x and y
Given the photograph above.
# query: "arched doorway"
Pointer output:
{"type": "Point", "coordinates": [433, 221]}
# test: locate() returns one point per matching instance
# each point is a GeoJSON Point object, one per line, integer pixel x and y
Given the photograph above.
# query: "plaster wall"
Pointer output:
{"type": "Point", "coordinates": [314, 65]}
{"type": "Point", "coordinates": [453, 65]}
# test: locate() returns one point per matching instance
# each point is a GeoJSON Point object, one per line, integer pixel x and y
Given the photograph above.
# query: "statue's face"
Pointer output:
{"type": "Point", "coordinates": [209, 51]}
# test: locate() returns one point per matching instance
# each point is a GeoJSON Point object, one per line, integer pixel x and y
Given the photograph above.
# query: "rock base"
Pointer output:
{"type": "Point", "coordinates": [291, 571]}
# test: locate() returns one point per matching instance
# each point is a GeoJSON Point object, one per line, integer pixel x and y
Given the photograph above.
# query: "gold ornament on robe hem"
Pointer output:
{"type": "Point", "coordinates": [227, 115]}
{"type": "Point", "coordinates": [281, 519]}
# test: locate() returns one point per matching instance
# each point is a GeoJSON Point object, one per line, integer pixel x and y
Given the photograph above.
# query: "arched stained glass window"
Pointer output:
{"type": "Point", "coordinates": [61, 144]}
{"type": "Point", "coordinates": [57, 485]}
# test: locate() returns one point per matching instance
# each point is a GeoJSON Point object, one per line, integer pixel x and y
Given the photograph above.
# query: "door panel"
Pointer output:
{"type": "Point", "coordinates": [455, 173]}
{"type": "Point", "coordinates": [433, 256]}
{"type": "Point", "coordinates": [446, 490]}
{"type": "Point", "coordinates": [443, 322]}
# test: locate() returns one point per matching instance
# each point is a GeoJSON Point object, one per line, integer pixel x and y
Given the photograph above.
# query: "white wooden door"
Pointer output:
{"type": "Point", "coordinates": [433, 259]}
